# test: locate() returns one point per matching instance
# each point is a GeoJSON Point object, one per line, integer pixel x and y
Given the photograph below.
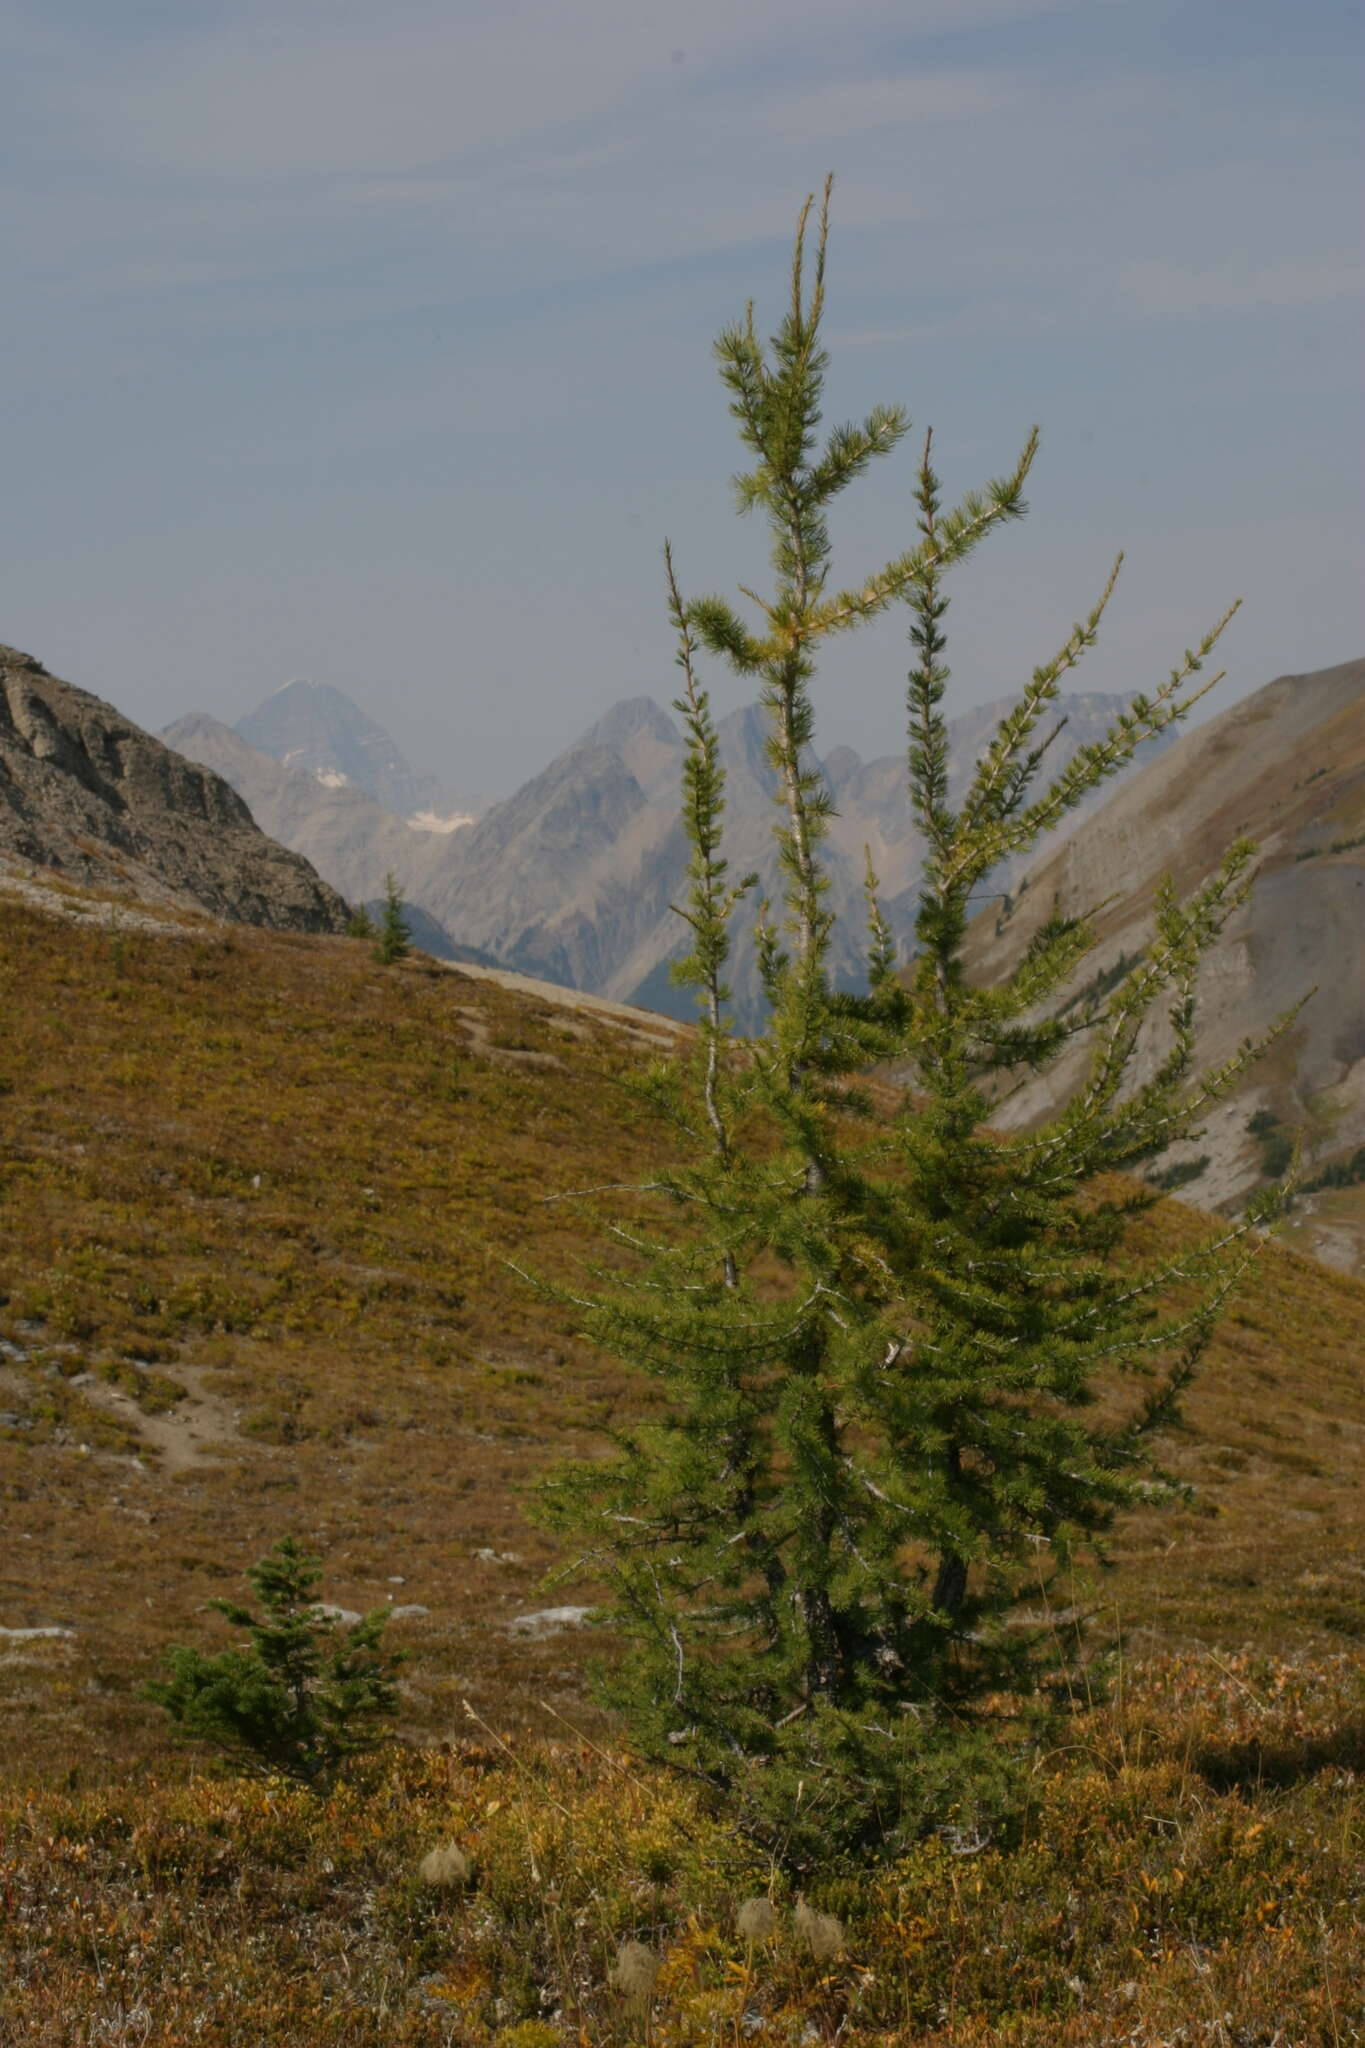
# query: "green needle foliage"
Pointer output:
{"type": "Point", "coordinates": [305, 1695]}
{"type": "Point", "coordinates": [394, 932]}
{"type": "Point", "coordinates": [879, 1332]}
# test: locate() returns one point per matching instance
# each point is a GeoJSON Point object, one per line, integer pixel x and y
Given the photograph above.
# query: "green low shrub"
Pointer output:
{"type": "Point", "coordinates": [308, 1693]}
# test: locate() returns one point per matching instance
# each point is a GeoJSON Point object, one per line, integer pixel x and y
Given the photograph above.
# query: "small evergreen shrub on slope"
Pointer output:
{"type": "Point", "coordinates": [305, 1695]}
{"type": "Point", "coordinates": [394, 932]}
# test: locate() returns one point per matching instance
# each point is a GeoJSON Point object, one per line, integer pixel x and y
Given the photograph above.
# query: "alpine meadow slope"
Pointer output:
{"type": "Point", "coordinates": [257, 1198]}
{"type": "Point", "coordinates": [258, 1201]}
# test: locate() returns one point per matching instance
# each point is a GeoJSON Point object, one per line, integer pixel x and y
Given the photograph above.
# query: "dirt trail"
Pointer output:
{"type": "Point", "coordinates": [646, 1024]}
{"type": "Point", "coordinates": [481, 1041]}
{"type": "Point", "coordinates": [200, 1430]}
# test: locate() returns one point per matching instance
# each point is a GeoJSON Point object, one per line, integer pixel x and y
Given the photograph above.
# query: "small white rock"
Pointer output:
{"type": "Point", "coordinates": [548, 1621]}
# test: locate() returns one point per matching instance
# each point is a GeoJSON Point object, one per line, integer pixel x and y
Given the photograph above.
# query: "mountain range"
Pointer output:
{"type": "Point", "coordinates": [572, 878]}
{"type": "Point", "coordinates": [319, 731]}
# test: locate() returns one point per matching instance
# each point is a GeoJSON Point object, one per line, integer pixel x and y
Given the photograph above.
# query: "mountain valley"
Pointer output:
{"type": "Point", "coordinates": [573, 877]}
{"type": "Point", "coordinates": [572, 880]}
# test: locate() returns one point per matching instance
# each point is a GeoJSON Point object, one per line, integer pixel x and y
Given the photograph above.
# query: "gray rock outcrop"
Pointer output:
{"type": "Point", "coordinates": [86, 793]}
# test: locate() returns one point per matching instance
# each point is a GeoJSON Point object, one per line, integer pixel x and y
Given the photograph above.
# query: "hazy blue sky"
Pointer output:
{"type": "Point", "coordinates": [371, 343]}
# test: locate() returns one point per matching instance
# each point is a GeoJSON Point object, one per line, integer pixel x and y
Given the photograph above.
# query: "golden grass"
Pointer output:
{"type": "Point", "coordinates": [259, 1173]}
{"type": "Point", "coordinates": [257, 1200]}
{"type": "Point", "coordinates": [1188, 1872]}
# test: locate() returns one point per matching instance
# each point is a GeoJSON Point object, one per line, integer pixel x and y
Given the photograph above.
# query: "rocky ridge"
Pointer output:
{"type": "Point", "coordinates": [90, 797]}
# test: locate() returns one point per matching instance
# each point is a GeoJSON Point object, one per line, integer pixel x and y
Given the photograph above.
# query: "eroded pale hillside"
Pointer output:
{"type": "Point", "coordinates": [1286, 768]}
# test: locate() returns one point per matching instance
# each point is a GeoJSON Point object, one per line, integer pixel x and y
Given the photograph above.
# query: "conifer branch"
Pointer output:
{"type": "Point", "coordinates": [985, 799]}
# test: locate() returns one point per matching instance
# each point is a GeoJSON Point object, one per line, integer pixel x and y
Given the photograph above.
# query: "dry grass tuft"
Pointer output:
{"type": "Point", "coordinates": [756, 1920]}
{"type": "Point", "coordinates": [821, 1933]}
{"type": "Point", "coordinates": [635, 1971]}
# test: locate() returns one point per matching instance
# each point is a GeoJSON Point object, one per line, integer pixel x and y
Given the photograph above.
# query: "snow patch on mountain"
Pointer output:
{"type": "Point", "coordinates": [432, 821]}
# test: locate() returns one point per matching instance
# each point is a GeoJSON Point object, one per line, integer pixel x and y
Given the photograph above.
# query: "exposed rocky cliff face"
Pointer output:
{"type": "Point", "coordinates": [85, 792]}
{"type": "Point", "coordinates": [1286, 767]}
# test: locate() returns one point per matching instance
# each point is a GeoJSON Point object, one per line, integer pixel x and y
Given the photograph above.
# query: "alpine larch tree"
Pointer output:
{"type": "Point", "coordinates": [878, 1326]}
{"type": "Point", "coordinates": [394, 934]}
